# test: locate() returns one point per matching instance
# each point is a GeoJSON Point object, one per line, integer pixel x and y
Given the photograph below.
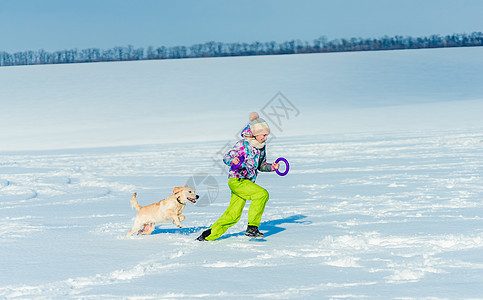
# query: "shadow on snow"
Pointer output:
{"type": "Point", "coordinates": [268, 228]}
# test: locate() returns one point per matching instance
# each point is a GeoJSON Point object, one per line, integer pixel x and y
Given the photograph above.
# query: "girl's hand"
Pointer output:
{"type": "Point", "coordinates": [235, 161]}
{"type": "Point", "coordinates": [275, 166]}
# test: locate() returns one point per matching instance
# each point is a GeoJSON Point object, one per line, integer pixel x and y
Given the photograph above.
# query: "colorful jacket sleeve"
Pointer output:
{"type": "Point", "coordinates": [234, 152]}
{"type": "Point", "coordinates": [248, 169]}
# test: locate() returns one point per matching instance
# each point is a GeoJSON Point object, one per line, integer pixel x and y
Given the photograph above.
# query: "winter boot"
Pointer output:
{"type": "Point", "coordinates": [203, 235]}
{"type": "Point", "coordinates": [252, 231]}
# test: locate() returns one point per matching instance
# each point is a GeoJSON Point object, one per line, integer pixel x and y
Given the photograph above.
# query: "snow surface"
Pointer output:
{"type": "Point", "coordinates": [383, 200]}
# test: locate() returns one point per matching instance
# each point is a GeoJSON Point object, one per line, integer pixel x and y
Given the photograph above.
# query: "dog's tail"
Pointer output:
{"type": "Point", "coordinates": [134, 202]}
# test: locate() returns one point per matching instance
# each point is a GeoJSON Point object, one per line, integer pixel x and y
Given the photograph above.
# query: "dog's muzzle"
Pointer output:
{"type": "Point", "coordinates": [193, 200]}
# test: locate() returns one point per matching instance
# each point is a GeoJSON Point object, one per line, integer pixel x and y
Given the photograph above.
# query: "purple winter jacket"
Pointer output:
{"type": "Point", "coordinates": [255, 160]}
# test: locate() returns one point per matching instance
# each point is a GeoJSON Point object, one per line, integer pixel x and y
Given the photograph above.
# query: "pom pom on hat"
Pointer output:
{"type": "Point", "coordinates": [254, 116]}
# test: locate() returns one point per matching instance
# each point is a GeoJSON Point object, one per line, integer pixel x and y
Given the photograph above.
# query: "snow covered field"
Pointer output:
{"type": "Point", "coordinates": [383, 200]}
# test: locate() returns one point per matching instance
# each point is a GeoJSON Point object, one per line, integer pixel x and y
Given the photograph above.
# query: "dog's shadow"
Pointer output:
{"type": "Point", "coordinates": [183, 231]}
{"type": "Point", "coordinates": [268, 228]}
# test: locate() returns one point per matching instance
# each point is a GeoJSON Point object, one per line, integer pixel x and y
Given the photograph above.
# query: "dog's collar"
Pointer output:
{"type": "Point", "coordinates": [180, 201]}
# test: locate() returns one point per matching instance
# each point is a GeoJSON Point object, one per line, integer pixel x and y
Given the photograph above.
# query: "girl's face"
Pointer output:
{"type": "Point", "coordinates": [261, 138]}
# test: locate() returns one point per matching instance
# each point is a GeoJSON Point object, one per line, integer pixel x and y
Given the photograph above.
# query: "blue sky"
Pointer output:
{"type": "Point", "coordinates": [67, 24]}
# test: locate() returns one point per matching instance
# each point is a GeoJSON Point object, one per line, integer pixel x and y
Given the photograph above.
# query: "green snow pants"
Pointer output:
{"type": "Point", "coordinates": [241, 191]}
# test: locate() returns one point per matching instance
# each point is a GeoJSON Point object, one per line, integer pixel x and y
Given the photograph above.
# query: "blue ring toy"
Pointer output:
{"type": "Point", "coordinates": [287, 166]}
{"type": "Point", "coordinates": [242, 159]}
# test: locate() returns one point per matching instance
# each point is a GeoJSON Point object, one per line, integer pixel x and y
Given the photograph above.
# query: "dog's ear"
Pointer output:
{"type": "Point", "coordinates": [177, 190]}
{"type": "Point", "coordinates": [185, 185]}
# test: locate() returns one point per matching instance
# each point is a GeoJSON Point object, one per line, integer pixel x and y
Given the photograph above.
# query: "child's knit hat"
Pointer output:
{"type": "Point", "coordinates": [258, 125]}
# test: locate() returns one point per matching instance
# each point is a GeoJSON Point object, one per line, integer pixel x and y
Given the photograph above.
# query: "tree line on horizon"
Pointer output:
{"type": "Point", "coordinates": [217, 49]}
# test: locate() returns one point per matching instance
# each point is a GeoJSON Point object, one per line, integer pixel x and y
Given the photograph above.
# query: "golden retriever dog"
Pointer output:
{"type": "Point", "coordinates": [163, 211]}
